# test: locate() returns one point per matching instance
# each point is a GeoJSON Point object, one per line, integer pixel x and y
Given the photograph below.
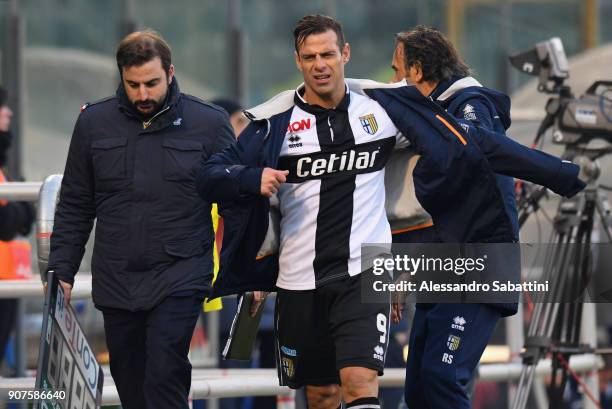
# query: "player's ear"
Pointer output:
{"type": "Point", "coordinates": [170, 74]}
{"type": "Point", "coordinates": [346, 53]}
{"type": "Point", "coordinates": [417, 72]}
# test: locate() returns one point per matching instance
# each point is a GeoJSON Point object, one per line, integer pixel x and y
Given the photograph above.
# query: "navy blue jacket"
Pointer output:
{"type": "Point", "coordinates": [458, 165]}
{"type": "Point", "coordinates": [464, 174]}
{"type": "Point", "coordinates": [154, 234]}
{"type": "Point", "coordinates": [487, 108]}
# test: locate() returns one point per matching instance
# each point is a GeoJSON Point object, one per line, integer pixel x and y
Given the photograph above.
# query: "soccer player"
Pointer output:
{"type": "Point", "coordinates": [331, 196]}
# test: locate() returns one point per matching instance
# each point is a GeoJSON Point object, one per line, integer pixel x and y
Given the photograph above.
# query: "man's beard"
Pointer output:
{"type": "Point", "coordinates": [152, 107]}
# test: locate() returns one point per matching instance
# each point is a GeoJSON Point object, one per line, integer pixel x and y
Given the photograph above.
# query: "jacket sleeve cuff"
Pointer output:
{"type": "Point", "coordinates": [566, 182]}
{"type": "Point", "coordinates": [67, 278]}
{"type": "Point", "coordinates": [250, 181]}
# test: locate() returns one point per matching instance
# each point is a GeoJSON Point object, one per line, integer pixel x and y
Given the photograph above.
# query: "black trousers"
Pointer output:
{"type": "Point", "coordinates": [148, 352]}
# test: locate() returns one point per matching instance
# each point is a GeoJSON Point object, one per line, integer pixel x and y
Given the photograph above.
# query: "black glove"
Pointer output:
{"type": "Point", "coordinates": [16, 218]}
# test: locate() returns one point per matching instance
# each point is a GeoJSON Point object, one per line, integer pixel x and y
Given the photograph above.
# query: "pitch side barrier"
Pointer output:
{"type": "Point", "coordinates": [226, 383]}
{"type": "Point", "coordinates": [210, 383]}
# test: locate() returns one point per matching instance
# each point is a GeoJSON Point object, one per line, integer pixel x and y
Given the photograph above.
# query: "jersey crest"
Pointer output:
{"type": "Point", "coordinates": [369, 124]}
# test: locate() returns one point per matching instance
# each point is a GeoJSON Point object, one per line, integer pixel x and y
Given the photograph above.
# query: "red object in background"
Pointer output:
{"type": "Point", "coordinates": [486, 395]}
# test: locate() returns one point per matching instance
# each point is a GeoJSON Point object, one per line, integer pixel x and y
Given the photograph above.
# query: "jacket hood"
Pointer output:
{"type": "Point", "coordinates": [447, 91]}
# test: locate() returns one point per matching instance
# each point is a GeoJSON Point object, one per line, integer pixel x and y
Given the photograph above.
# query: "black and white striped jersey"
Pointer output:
{"type": "Point", "coordinates": [334, 198]}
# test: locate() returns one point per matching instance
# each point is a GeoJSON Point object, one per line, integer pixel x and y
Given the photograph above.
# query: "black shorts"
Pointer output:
{"type": "Point", "coordinates": [319, 332]}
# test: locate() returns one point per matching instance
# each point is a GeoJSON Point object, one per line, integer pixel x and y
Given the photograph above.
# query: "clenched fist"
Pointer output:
{"type": "Point", "coordinates": [271, 180]}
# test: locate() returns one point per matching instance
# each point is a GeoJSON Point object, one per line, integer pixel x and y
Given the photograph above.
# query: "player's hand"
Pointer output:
{"type": "Point", "coordinates": [397, 310]}
{"type": "Point", "coordinates": [398, 300]}
{"type": "Point", "coordinates": [67, 291]}
{"type": "Point", "coordinates": [271, 180]}
{"type": "Point", "coordinates": [259, 297]}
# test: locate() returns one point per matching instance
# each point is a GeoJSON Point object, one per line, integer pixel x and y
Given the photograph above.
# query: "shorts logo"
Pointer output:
{"type": "Point", "coordinates": [453, 342]}
{"type": "Point", "coordinates": [465, 127]}
{"type": "Point", "coordinates": [378, 353]}
{"type": "Point", "coordinates": [369, 124]}
{"type": "Point", "coordinates": [288, 367]}
{"type": "Point", "coordinates": [459, 323]}
{"type": "Point", "coordinates": [288, 351]}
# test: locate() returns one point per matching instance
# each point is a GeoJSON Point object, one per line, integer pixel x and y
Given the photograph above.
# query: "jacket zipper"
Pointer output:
{"type": "Point", "coordinates": [148, 123]}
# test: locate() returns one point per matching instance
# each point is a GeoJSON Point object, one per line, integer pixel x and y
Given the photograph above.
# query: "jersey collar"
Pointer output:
{"type": "Point", "coordinates": [299, 100]}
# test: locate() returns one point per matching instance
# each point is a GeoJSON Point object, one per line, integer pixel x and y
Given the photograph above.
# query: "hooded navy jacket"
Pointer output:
{"type": "Point", "coordinates": [466, 98]}
{"type": "Point", "coordinates": [454, 180]}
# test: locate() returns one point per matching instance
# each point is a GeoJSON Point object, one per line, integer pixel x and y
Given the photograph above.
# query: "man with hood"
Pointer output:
{"type": "Point", "coordinates": [427, 59]}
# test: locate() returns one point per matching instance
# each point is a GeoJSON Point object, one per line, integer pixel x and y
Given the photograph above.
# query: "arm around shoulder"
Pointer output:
{"type": "Point", "coordinates": [511, 158]}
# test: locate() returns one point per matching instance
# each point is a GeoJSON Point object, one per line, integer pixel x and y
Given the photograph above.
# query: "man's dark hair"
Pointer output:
{"type": "Point", "coordinates": [433, 52]}
{"type": "Point", "coordinates": [316, 24]}
{"type": "Point", "coordinates": [141, 47]}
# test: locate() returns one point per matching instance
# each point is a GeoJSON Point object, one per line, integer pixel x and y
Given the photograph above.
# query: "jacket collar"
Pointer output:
{"type": "Point", "coordinates": [446, 89]}
{"type": "Point", "coordinates": [127, 108]}
{"type": "Point", "coordinates": [299, 100]}
{"type": "Point", "coordinates": [286, 99]}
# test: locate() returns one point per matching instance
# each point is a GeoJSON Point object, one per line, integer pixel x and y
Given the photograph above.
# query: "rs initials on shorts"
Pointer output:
{"type": "Point", "coordinates": [447, 358]}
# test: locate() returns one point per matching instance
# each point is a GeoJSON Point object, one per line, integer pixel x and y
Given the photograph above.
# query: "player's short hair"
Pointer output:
{"type": "Point", "coordinates": [141, 47]}
{"type": "Point", "coordinates": [436, 55]}
{"type": "Point", "coordinates": [316, 24]}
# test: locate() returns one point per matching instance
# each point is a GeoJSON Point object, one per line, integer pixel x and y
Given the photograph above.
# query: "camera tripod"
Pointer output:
{"type": "Point", "coordinates": [556, 320]}
{"type": "Point", "coordinates": [557, 316]}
